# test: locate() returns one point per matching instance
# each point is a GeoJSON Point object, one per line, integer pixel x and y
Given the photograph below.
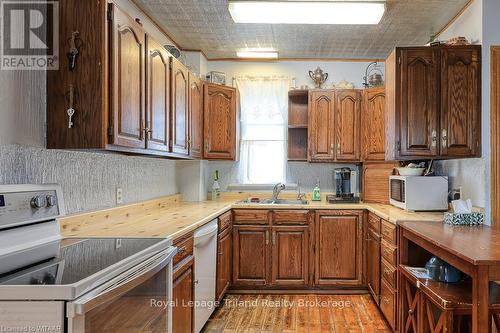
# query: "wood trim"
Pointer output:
{"type": "Point", "coordinates": [495, 136]}
{"type": "Point", "coordinates": [196, 50]}
{"type": "Point", "coordinates": [298, 59]}
{"type": "Point", "coordinates": [454, 18]}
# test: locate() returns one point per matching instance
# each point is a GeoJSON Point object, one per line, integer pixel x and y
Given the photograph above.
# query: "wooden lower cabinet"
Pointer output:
{"type": "Point", "coordinates": [182, 296]}
{"type": "Point", "coordinates": [388, 303]}
{"type": "Point", "coordinates": [290, 256]}
{"type": "Point", "coordinates": [224, 247]}
{"type": "Point", "coordinates": [251, 255]}
{"type": "Point", "coordinates": [373, 264]}
{"type": "Point", "coordinates": [338, 248]}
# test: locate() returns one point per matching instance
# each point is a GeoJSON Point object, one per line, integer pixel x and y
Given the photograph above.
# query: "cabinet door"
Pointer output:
{"type": "Point", "coordinates": [250, 255]}
{"type": "Point", "coordinates": [338, 248]}
{"type": "Point", "coordinates": [373, 264]}
{"type": "Point", "coordinates": [460, 101]}
{"type": "Point", "coordinates": [127, 81]}
{"type": "Point", "coordinates": [182, 294]}
{"type": "Point", "coordinates": [195, 117]}
{"type": "Point", "coordinates": [180, 112]}
{"type": "Point", "coordinates": [419, 91]}
{"type": "Point", "coordinates": [224, 247]}
{"type": "Point", "coordinates": [347, 125]}
{"type": "Point", "coordinates": [219, 122]}
{"type": "Point", "coordinates": [158, 103]}
{"type": "Point", "coordinates": [320, 127]}
{"type": "Point", "coordinates": [373, 125]}
{"type": "Point", "coordinates": [290, 264]}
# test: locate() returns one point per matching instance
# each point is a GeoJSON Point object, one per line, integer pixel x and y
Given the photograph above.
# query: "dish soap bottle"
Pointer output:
{"type": "Point", "coordinates": [316, 192]}
{"type": "Point", "coordinates": [216, 186]}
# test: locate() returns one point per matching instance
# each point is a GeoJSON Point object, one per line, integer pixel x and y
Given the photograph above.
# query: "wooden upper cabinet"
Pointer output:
{"type": "Point", "coordinates": [180, 111]}
{"type": "Point", "coordinates": [338, 248]}
{"type": "Point", "coordinates": [460, 101]}
{"type": "Point", "coordinates": [419, 108]}
{"type": "Point", "coordinates": [290, 256]}
{"type": "Point", "coordinates": [251, 255]}
{"type": "Point", "coordinates": [220, 115]}
{"type": "Point", "coordinates": [373, 125]}
{"type": "Point", "coordinates": [321, 135]}
{"type": "Point", "coordinates": [433, 102]}
{"type": "Point", "coordinates": [158, 101]}
{"type": "Point", "coordinates": [347, 125]}
{"type": "Point", "coordinates": [128, 83]}
{"type": "Point", "coordinates": [195, 116]}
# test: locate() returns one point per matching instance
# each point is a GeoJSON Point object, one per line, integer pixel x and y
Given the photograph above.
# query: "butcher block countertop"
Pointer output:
{"type": "Point", "coordinates": [172, 217]}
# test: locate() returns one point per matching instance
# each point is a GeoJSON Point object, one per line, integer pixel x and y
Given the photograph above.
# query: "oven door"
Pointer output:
{"type": "Point", "coordinates": [138, 300]}
{"type": "Point", "coordinates": [397, 192]}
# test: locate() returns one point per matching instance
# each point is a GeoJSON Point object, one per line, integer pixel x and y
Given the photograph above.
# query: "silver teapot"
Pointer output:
{"type": "Point", "coordinates": [318, 76]}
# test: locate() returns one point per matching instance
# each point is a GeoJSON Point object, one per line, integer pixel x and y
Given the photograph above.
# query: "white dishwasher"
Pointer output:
{"type": "Point", "coordinates": [205, 262]}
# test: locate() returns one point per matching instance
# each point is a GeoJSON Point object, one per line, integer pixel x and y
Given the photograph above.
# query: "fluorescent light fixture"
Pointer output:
{"type": "Point", "coordinates": [264, 53]}
{"type": "Point", "coordinates": [307, 12]}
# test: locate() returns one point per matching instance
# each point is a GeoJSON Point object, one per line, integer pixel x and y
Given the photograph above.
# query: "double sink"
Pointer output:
{"type": "Point", "coordinates": [275, 202]}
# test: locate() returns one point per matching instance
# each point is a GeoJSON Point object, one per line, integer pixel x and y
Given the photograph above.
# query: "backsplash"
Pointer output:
{"type": "Point", "coordinates": [470, 174]}
{"type": "Point", "coordinates": [89, 179]}
{"type": "Point", "coordinates": [297, 172]}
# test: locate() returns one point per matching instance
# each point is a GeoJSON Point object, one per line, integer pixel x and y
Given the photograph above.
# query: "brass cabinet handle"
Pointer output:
{"type": "Point", "coordinates": [444, 138]}
{"type": "Point", "coordinates": [274, 237]}
{"type": "Point", "coordinates": [267, 237]}
{"type": "Point", "coordinates": [434, 138]}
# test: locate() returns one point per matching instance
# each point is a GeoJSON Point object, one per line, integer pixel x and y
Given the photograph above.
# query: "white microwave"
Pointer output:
{"type": "Point", "coordinates": [419, 193]}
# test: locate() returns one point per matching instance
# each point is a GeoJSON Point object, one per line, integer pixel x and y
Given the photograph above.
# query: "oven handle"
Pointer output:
{"type": "Point", "coordinates": [122, 283]}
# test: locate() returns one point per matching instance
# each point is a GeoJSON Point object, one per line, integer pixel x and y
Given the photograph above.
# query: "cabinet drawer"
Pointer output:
{"type": "Point", "coordinates": [282, 217]}
{"type": "Point", "coordinates": [224, 221]}
{"type": "Point", "coordinates": [389, 273]}
{"type": "Point", "coordinates": [250, 216]}
{"type": "Point", "coordinates": [389, 252]}
{"type": "Point", "coordinates": [388, 231]}
{"type": "Point", "coordinates": [374, 222]}
{"type": "Point", "coordinates": [388, 303]}
{"type": "Point", "coordinates": [184, 249]}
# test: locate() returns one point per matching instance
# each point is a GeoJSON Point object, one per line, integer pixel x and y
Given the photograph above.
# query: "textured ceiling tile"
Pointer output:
{"type": "Point", "coordinates": [207, 25]}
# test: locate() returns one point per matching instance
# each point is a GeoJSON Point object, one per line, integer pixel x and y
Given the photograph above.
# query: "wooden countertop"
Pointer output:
{"type": "Point", "coordinates": [172, 217]}
{"type": "Point", "coordinates": [474, 244]}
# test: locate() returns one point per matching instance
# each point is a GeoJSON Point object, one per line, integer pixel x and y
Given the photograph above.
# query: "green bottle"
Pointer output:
{"type": "Point", "coordinates": [316, 192]}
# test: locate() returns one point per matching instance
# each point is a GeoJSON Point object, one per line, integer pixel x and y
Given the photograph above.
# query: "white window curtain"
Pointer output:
{"type": "Point", "coordinates": [264, 118]}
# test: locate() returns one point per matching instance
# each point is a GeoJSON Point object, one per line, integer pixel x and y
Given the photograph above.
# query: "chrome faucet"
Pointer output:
{"type": "Point", "coordinates": [276, 191]}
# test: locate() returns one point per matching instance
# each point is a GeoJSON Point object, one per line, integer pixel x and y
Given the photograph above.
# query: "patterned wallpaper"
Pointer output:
{"type": "Point", "coordinates": [302, 172]}
{"type": "Point", "coordinates": [88, 179]}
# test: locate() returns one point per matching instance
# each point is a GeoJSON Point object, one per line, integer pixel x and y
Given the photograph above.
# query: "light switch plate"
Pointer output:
{"type": "Point", "coordinates": [119, 195]}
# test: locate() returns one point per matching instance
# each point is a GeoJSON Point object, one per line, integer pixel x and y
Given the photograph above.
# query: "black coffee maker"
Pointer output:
{"type": "Point", "coordinates": [345, 186]}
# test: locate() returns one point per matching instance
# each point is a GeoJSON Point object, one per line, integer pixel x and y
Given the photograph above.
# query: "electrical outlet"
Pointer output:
{"type": "Point", "coordinates": [119, 195]}
{"type": "Point", "coordinates": [118, 243]}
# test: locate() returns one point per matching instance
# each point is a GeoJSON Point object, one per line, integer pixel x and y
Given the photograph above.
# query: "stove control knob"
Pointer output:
{"type": "Point", "coordinates": [38, 202]}
{"type": "Point", "coordinates": [51, 200]}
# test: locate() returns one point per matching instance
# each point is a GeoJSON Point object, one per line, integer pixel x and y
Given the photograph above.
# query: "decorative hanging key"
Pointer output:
{"type": "Point", "coordinates": [73, 50]}
{"type": "Point", "coordinates": [71, 111]}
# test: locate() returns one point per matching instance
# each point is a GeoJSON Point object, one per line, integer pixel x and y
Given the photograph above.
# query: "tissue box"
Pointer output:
{"type": "Point", "coordinates": [474, 218]}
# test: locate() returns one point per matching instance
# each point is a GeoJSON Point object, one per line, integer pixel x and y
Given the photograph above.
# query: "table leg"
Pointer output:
{"type": "Point", "coordinates": [481, 320]}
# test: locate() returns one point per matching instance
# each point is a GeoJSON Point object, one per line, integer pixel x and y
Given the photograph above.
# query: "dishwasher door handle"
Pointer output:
{"type": "Point", "coordinates": [201, 238]}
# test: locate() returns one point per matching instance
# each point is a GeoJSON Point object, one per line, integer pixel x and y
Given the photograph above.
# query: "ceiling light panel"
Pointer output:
{"type": "Point", "coordinates": [312, 12]}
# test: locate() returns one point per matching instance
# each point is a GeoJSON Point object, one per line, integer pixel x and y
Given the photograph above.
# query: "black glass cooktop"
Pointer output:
{"type": "Point", "coordinates": [77, 259]}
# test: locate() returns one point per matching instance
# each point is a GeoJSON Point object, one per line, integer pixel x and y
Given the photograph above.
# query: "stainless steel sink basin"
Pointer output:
{"type": "Point", "coordinates": [277, 202]}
